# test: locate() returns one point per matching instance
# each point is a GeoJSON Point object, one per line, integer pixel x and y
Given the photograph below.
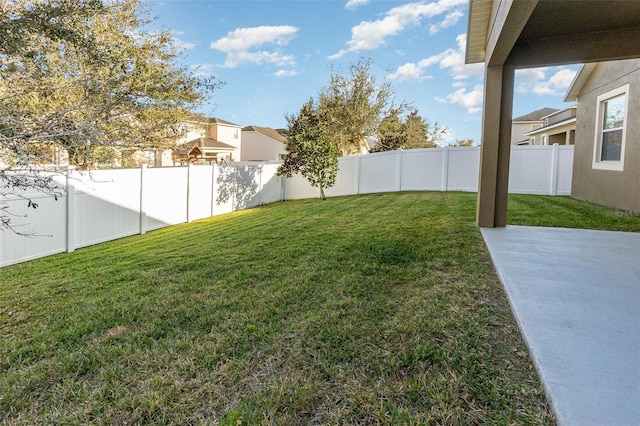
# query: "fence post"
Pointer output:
{"type": "Point", "coordinates": [553, 189]}
{"type": "Point", "coordinates": [71, 210]}
{"type": "Point", "coordinates": [143, 213]}
{"type": "Point", "coordinates": [357, 176]}
{"type": "Point", "coordinates": [445, 168]}
{"type": "Point", "coordinates": [399, 170]}
{"type": "Point", "coordinates": [189, 166]}
{"type": "Point", "coordinates": [260, 185]}
{"type": "Point", "coordinates": [213, 187]}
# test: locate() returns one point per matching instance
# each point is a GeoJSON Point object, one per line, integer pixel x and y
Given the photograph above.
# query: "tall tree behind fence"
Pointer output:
{"type": "Point", "coordinates": [108, 204]}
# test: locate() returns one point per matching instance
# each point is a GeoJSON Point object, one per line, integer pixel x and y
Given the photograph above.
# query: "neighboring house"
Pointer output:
{"type": "Point", "coordinates": [201, 151]}
{"type": "Point", "coordinates": [606, 165]}
{"type": "Point", "coordinates": [520, 126]}
{"type": "Point", "coordinates": [206, 140]}
{"type": "Point", "coordinates": [263, 144]}
{"type": "Point", "coordinates": [558, 127]}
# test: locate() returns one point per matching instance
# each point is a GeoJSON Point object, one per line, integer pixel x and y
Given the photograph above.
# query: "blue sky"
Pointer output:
{"type": "Point", "coordinates": [275, 55]}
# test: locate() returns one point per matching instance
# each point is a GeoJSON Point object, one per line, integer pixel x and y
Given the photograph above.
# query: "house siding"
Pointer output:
{"type": "Point", "coordinates": [257, 147]}
{"type": "Point", "coordinates": [619, 189]}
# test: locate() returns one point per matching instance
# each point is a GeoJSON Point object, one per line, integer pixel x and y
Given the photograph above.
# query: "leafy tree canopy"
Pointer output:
{"type": "Point", "coordinates": [85, 77]}
{"type": "Point", "coordinates": [412, 132]}
{"type": "Point", "coordinates": [353, 106]}
{"type": "Point", "coordinates": [310, 149]}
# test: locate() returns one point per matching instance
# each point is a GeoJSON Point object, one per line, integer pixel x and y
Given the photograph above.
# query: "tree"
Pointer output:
{"type": "Point", "coordinates": [86, 77]}
{"type": "Point", "coordinates": [462, 142]}
{"type": "Point", "coordinates": [310, 149]}
{"type": "Point", "coordinates": [353, 106]}
{"type": "Point", "coordinates": [420, 134]}
{"type": "Point", "coordinates": [413, 132]}
{"type": "Point", "coordinates": [392, 132]}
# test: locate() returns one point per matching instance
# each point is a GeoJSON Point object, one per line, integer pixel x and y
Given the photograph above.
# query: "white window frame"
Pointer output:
{"type": "Point", "coordinates": [597, 144]}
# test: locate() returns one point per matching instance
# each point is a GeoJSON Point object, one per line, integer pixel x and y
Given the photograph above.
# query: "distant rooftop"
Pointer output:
{"type": "Point", "coordinates": [210, 120]}
{"type": "Point", "coordinates": [537, 115]}
{"type": "Point", "coordinates": [277, 135]}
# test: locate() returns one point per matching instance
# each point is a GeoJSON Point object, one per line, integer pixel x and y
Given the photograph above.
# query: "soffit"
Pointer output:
{"type": "Point", "coordinates": [478, 29]}
{"type": "Point", "coordinates": [559, 31]}
{"type": "Point", "coordinates": [578, 31]}
{"type": "Point", "coordinates": [556, 18]}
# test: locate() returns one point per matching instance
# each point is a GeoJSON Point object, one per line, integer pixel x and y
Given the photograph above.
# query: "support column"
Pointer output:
{"type": "Point", "coordinates": [493, 183]}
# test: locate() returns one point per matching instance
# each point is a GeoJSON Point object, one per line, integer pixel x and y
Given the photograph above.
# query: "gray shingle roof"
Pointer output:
{"type": "Point", "coordinates": [536, 115]}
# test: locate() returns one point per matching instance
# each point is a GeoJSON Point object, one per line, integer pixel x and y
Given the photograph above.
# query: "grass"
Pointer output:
{"type": "Point", "coordinates": [373, 309]}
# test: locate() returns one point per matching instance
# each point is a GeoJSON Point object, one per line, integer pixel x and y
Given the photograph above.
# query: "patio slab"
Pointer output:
{"type": "Point", "coordinates": [576, 297]}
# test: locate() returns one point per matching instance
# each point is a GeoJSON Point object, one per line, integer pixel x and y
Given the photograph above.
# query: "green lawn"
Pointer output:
{"type": "Point", "coordinates": [373, 309]}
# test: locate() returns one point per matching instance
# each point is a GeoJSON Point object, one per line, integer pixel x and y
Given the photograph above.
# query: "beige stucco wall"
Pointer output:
{"type": "Point", "coordinates": [257, 147]}
{"type": "Point", "coordinates": [620, 189]}
{"type": "Point", "coordinates": [519, 128]}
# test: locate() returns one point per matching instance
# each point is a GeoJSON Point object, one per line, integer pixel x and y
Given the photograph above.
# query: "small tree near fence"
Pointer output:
{"type": "Point", "coordinates": [310, 150]}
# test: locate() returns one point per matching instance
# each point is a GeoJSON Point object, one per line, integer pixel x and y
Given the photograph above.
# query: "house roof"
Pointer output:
{"type": "Point", "coordinates": [543, 129]}
{"type": "Point", "coordinates": [579, 81]}
{"type": "Point", "coordinates": [210, 120]}
{"type": "Point", "coordinates": [276, 135]}
{"type": "Point", "coordinates": [203, 144]}
{"type": "Point", "coordinates": [536, 115]}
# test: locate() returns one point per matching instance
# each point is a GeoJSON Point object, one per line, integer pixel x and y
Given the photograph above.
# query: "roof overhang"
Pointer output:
{"type": "Point", "coordinates": [478, 27]}
{"type": "Point", "coordinates": [536, 33]}
{"type": "Point", "coordinates": [578, 82]}
{"type": "Point", "coordinates": [551, 127]}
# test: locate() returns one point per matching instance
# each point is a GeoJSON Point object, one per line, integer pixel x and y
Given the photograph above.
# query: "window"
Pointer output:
{"type": "Point", "coordinates": [611, 117]}
{"type": "Point", "coordinates": [235, 134]}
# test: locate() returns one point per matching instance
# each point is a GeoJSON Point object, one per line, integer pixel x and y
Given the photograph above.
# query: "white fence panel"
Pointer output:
{"type": "Point", "coordinates": [222, 189]}
{"type": "Point", "coordinates": [200, 193]}
{"type": "Point", "coordinates": [47, 225]}
{"type": "Point", "coordinates": [530, 170]}
{"type": "Point", "coordinates": [297, 187]}
{"type": "Point", "coordinates": [379, 172]}
{"type": "Point", "coordinates": [270, 189]}
{"type": "Point", "coordinates": [565, 170]}
{"type": "Point", "coordinates": [463, 170]}
{"type": "Point", "coordinates": [422, 169]}
{"type": "Point", "coordinates": [346, 180]}
{"type": "Point", "coordinates": [164, 198]}
{"type": "Point", "coordinates": [106, 205]}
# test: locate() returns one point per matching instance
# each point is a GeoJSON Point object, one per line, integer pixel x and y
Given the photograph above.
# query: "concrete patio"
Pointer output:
{"type": "Point", "coordinates": [576, 297]}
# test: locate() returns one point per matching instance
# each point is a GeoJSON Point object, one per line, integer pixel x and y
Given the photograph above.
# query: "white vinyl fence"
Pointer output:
{"type": "Point", "coordinates": [108, 204]}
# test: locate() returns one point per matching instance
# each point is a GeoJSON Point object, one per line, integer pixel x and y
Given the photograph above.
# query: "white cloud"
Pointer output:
{"type": "Point", "coordinates": [535, 81]}
{"type": "Point", "coordinates": [450, 59]}
{"type": "Point", "coordinates": [471, 100]}
{"type": "Point", "coordinates": [449, 21]}
{"type": "Point", "coordinates": [202, 70]}
{"type": "Point", "coordinates": [286, 73]}
{"type": "Point", "coordinates": [369, 35]}
{"type": "Point", "coordinates": [407, 72]}
{"type": "Point", "coordinates": [238, 45]}
{"type": "Point", "coordinates": [352, 4]}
